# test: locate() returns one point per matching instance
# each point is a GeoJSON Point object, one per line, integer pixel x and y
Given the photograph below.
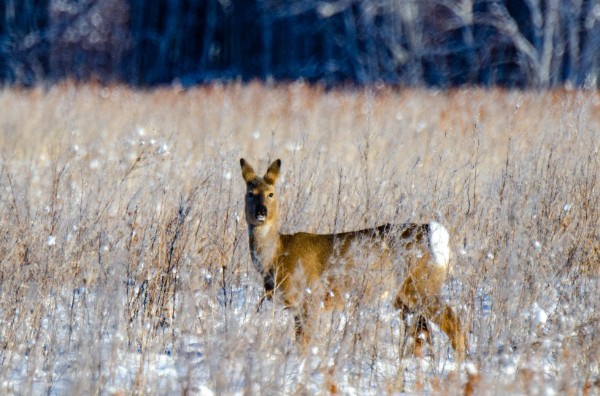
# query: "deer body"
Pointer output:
{"type": "Point", "coordinates": [333, 263]}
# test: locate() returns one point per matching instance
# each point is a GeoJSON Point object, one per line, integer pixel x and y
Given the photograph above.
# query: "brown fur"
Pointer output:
{"type": "Point", "coordinates": [298, 263]}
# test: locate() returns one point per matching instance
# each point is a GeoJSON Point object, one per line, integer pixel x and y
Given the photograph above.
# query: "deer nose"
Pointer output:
{"type": "Point", "coordinates": [261, 211]}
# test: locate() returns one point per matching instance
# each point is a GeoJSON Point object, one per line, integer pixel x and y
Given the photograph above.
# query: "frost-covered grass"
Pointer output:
{"type": "Point", "coordinates": [124, 265]}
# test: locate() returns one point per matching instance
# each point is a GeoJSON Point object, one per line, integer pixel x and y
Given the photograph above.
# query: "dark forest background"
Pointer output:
{"type": "Point", "coordinates": [526, 43]}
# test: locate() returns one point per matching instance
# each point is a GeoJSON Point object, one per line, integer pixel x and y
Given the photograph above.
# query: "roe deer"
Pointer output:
{"type": "Point", "coordinates": [414, 257]}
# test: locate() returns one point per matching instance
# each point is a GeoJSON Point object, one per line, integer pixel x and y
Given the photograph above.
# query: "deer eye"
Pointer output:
{"type": "Point", "coordinates": [270, 195]}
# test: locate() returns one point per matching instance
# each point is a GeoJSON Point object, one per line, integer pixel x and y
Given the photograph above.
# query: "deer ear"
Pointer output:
{"type": "Point", "coordinates": [247, 172]}
{"type": "Point", "coordinates": [273, 172]}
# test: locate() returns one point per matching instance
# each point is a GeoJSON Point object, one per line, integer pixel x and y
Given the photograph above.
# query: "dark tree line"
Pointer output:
{"type": "Point", "coordinates": [538, 43]}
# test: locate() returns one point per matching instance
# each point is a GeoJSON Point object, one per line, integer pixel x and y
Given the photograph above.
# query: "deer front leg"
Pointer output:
{"type": "Point", "coordinates": [301, 328]}
{"type": "Point", "coordinates": [298, 304]}
{"type": "Point", "coordinates": [269, 283]}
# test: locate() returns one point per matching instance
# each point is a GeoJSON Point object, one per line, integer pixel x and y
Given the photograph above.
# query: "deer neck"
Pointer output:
{"type": "Point", "coordinates": [264, 244]}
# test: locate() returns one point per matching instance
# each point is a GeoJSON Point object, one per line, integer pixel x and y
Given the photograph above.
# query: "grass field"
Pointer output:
{"type": "Point", "coordinates": [124, 265]}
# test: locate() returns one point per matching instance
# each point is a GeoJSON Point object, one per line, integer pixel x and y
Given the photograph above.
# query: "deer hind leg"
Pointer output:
{"type": "Point", "coordinates": [446, 318]}
{"type": "Point", "coordinates": [433, 309]}
{"type": "Point", "coordinates": [421, 335]}
{"type": "Point", "coordinates": [419, 331]}
{"type": "Point", "coordinates": [407, 302]}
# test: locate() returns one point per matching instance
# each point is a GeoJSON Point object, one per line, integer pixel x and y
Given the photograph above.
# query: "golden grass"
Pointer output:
{"type": "Point", "coordinates": [122, 234]}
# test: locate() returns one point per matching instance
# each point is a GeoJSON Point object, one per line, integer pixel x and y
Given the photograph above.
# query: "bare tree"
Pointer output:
{"type": "Point", "coordinates": [541, 43]}
{"type": "Point", "coordinates": [89, 38]}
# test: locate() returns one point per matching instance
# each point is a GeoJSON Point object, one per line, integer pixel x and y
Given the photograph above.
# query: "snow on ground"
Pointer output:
{"type": "Point", "coordinates": [268, 362]}
{"type": "Point", "coordinates": [219, 343]}
{"type": "Point", "coordinates": [190, 363]}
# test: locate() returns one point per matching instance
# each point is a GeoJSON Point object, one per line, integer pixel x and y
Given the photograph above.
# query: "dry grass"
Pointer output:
{"type": "Point", "coordinates": [124, 265]}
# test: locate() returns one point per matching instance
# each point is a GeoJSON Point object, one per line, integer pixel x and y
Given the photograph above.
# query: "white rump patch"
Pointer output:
{"type": "Point", "coordinates": [439, 240]}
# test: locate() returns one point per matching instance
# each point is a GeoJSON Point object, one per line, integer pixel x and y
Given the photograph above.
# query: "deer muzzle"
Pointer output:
{"type": "Point", "coordinates": [260, 213]}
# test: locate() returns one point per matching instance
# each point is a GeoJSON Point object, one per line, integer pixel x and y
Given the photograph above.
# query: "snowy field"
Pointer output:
{"type": "Point", "coordinates": [124, 264]}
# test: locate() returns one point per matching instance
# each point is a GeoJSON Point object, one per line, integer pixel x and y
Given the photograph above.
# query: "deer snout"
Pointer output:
{"type": "Point", "coordinates": [261, 213]}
